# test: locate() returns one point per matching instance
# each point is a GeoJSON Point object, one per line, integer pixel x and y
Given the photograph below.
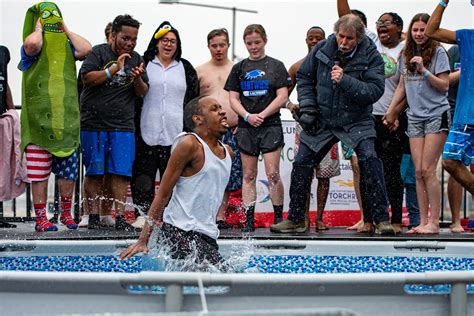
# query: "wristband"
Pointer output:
{"type": "Point", "coordinates": [107, 72]}
{"type": "Point", "coordinates": [426, 74]}
{"type": "Point", "coordinates": [443, 4]}
{"type": "Point", "coordinates": [286, 104]}
{"type": "Point", "coordinates": [246, 116]}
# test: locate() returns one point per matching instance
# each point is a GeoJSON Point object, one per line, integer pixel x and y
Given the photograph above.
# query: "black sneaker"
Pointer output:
{"type": "Point", "coordinates": [223, 225]}
{"type": "Point", "coordinates": [94, 221]}
{"type": "Point", "coordinates": [121, 224]}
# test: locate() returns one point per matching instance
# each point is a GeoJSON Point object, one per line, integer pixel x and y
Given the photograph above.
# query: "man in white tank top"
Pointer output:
{"type": "Point", "coordinates": [195, 179]}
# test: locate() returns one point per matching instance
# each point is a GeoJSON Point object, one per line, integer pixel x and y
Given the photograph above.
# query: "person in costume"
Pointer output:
{"type": "Point", "coordinates": [50, 109]}
{"type": "Point", "coordinates": [173, 83]}
{"type": "Point", "coordinates": [114, 77]}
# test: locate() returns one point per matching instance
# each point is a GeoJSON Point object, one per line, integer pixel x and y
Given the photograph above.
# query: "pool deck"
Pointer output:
{"type": "Point", "coordinates": [25, 231]}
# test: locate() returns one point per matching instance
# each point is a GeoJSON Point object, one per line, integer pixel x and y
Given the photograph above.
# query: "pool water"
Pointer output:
{"type": "Point", "coordinates": [262, 264]}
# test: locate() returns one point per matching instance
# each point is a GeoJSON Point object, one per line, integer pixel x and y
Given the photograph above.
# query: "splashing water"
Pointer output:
{"type": "Point", "coordinates": [160, 257]}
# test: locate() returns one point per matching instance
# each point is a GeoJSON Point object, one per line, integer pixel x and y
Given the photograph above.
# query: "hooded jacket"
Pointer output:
{"type": "Point", "coordinates": [350, 101]}
{"type": "Point", "coordinates": [192, 82]}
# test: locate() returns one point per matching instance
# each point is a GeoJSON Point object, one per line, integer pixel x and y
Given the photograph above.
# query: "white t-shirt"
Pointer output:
{"type": "Point", "coordinates": [425, 101]}
{"type": "Point", "coordinates": [391, 58]}
{"type": "Point", "coordinates": [162, 114]}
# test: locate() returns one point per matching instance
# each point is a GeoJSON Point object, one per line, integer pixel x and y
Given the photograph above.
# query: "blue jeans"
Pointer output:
{"type": "Point", "coordinates": [412, 204]}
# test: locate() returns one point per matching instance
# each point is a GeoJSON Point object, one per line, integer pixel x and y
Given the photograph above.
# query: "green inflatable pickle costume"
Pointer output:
{"type": "Point", "coordinates": [50, 108]}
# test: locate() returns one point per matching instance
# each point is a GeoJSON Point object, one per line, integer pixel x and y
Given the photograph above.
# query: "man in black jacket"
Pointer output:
{"type": "Point", "coordinates": [337, 84]}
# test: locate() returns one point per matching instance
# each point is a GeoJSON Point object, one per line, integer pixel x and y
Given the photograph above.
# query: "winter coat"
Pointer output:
{"type": "Point", "coordinates": [350, 101]}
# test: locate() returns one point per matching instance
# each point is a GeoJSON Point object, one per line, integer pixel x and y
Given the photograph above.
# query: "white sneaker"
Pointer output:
{"type": "Point", "coordinates": [139, 222]}
{"type": "Point", "coordinates": [84, 221]}
{"type": "Point", "coordinates": [107, 221]}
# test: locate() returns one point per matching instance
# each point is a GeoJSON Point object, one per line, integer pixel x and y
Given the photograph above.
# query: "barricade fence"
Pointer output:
{"type": "Point", "coordinates": [341, 201]}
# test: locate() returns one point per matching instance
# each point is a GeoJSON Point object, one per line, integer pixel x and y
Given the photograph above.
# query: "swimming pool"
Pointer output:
{"type": "Point", "coordinates": [360, 277]}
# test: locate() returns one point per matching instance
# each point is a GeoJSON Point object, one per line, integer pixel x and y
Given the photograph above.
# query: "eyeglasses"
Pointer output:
{"type": "Point", "coordinates": [385, 23]}
{"type": "Point", "coordinates": [167, 41]}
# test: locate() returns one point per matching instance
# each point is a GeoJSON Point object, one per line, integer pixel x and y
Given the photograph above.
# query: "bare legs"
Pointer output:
{"type": "Point", "coordinates": [425, 153]}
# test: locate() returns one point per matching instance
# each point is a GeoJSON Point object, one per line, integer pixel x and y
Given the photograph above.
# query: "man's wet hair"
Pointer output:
{"type": "Point", "coordinates": [316, 28]}
{"type": "Point", "coordinates": [218, 32]}
{"type": "Point", "coordinates": [351, 22]}
{"type": "Point", "coordinates": [192, 108]}
{"type": "Point", "coordinates": [361, 15]}
{"type": "Point", "coordinates": [124, 20]}
{"type": "Point", "coordinates": [255, 28]}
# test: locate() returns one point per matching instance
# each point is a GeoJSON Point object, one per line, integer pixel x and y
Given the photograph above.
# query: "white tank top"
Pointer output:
{"type": "Point", "coordinates": [196, 199]}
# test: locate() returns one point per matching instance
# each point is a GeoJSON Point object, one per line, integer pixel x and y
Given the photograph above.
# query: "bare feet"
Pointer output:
{"type": "Point", "coordinates": [429, 229]}
{"type": "Point", "coordinates": [397, 228]}
{"type": "Point", "coordinates": [357, 225]}
{"type": "Point", "coordinates": [320, 225]}
{"type": "Point", "coordinates": [415, 230]}
{"type": "Point", "coordinates": [456, 228]}
{"type": "Point", "coordinates": [366, 228]}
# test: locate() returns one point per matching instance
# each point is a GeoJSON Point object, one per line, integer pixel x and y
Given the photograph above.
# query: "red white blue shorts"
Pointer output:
{"type": "Point", "coordinates": [40, 163]}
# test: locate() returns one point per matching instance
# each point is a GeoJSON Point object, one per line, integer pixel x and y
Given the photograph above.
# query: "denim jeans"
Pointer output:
{"type": "Point", "coordinates": [374, 196]}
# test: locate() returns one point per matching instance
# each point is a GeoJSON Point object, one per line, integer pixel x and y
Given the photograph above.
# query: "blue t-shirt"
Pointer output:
{"type": "Point", "coordinates": [464, 113]}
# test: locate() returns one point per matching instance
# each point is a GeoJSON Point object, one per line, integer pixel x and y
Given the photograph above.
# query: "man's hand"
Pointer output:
{"type": "Point", "coordinates": [137, 71]}
{"type": "Point", "coordinates": [139, 246]}
{"type": "Point", "coordinates": [336, 74]}
{"type": "Point", "coordinates": [121, 60]}
{"type": "Point", "coordinates": [308, 120]}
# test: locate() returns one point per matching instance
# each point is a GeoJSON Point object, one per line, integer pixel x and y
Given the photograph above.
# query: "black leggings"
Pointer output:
{"type": "Point", "coordinates": [148, 160]}
{"type": "Point", "coordinates": [389, 147]}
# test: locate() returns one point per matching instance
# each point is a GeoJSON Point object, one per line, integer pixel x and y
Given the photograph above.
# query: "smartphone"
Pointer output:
{"type": "Point", "coordinates": [457, 66]}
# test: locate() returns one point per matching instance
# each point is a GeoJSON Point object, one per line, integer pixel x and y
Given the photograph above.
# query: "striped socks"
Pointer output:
{"type": "Point", "coordinates": [42, 223]}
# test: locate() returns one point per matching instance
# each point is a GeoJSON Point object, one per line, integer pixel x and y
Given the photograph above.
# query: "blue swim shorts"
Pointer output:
{"type": "Point", "coordinates": [460, 143]}
{"type": "Point", "coordinates": [108, 152]}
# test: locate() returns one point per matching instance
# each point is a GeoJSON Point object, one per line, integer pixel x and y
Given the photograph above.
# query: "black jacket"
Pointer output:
{"type": "Point", "coordinates": [350, 101]}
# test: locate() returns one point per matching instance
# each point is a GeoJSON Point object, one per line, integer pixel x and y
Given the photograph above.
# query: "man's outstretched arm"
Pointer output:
{"type": "Point", "coordinates": [432, 28]}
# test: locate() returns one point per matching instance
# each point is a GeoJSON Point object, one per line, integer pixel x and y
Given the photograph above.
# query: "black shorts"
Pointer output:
{"type": "Point", "coordinates": [255, 140]}
{"type": "Point", "coordinates": [183, 244]}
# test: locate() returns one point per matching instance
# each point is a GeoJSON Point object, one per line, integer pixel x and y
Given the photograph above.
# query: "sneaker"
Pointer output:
{"type": "Point", "coordinates": [84, 221]}
{"type": "Point", "coordinates": [107, 221]}
{"type": "Point", "coordinates": [221, 224]}
{"type": "Point", "coordinates": [288, 226]}
{"type": "Point", "coordinates": [121, 224]}
{"type": "Point", "coordinates": [94, 221]}
{"type": "Point", "coordinates": [384, 228]}
{"type": "Point", "coordinates": [139, 222]}
{"type": "Point", "coordinates": [66, 219]}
